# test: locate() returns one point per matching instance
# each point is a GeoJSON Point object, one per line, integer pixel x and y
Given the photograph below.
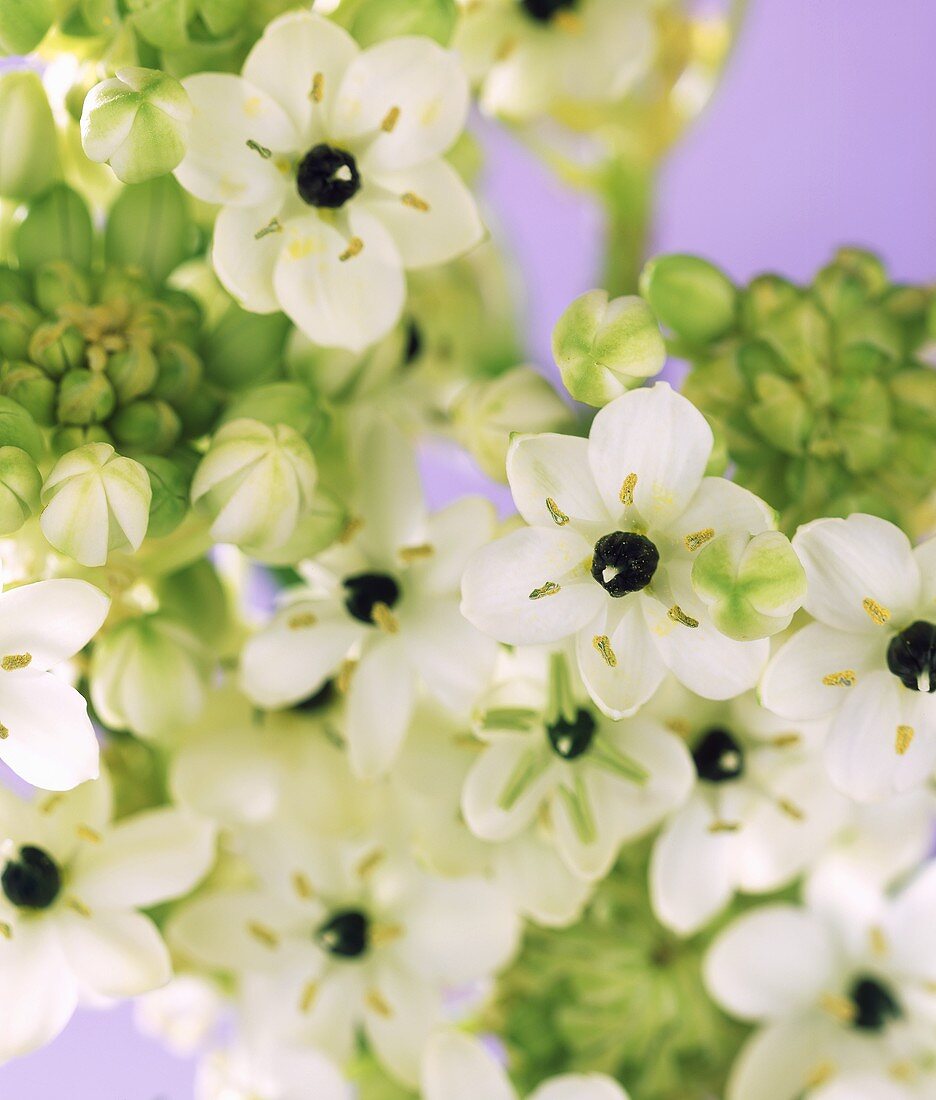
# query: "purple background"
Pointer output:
{"type": "Point", "coordinates": [821, 134]}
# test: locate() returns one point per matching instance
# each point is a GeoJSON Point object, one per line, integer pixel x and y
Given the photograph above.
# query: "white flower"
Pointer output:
{"type": "Point", "coordinates": [46, 736]}
{"type": "Point", "coordinates": [328, 163]}
{"type": "Point", "coordinates": [95, 501]}
{"type": "Point", "coordinates": [70, 889]}
{"type": "Point", "coordinates": [256, 483]}
{"type": "Point", "coordinates": [381, 614]}
{"type": "Point", "coordinates": [598, 783]}
{"type": "Point", "coordinates": [350, 937]}
{"type": "Point", "coordinates": [869, 660]}
{"type": "Point", "coordinates": [865, 1086]}
{"type": "Point", "coordinates": [762, 810]}
{"type": "Point", "coordinates": [182, 1014]}
{"type": "Point", "coordinates": [459, 1068]}
{"type": "Point", "coordinates": [241, 1072]}
{"type": "Point", "coordinates": [846, 983]}
{"type": "Point", "coordinates": [532, 54]}
{"type": "Point", "coordinates": [616, 522]}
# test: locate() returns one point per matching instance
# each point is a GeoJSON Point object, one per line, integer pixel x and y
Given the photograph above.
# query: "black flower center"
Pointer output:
{"type": "Point", "coordinates": [718, 757]}
{"type": "Point", "coordinates": [571, 739]}
{"type": "Point", "coordinates": [624, 562]}
{"type": "Point", "coordinates": [366, 590]}
{"type": "Point", "coordinates": [911, 656]}
{"type": "Point", "coordinates": [875, 1005]}
{"type": "Point", "coordinates": [544, 10]}
{"type": "Point", "coordinates": [321, 699]}
{"type": "Point", "coordinates": [33, 881]}
{"type": "Point", "coordinates": [327, 177]}
{"type": "Point", "coordinates": [346, 934]}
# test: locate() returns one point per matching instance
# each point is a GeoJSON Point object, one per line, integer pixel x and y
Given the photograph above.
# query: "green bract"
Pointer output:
{"type": "Point", "coordinates": [30, 161]}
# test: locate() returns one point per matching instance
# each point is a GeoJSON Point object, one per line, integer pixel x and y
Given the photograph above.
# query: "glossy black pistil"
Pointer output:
{"type": "Point", "coordinates": [543, 11]}
{"type": "Point", "coordinates": [718, 757]}
{"type": "Point", "coordinates": [327, 177]}
{"type": "Point", "coordinates": [911, 656]}
{"type": "Point", "coordinates": [875, 1005]}
{"type": "Point", "coordinates": [346, 934]}
{"type": "Point", "coordinates": [572, 739]}
{"type": "Point", "coordinates": [624, 562]}
{"type": "Point", "coordinates": [366, 590]}
{"type": "Point", "coordinates": [33, 880]}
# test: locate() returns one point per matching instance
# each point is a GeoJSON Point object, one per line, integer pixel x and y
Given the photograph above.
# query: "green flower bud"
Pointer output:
{"type": "Point", "coordinates": [765, 296]}
{"type": "Point", "coordinates": [200, 413]}
{"type": "Point", "coordinates": [170, 484]}
{"type": "Point", "coordinates": [150, 229]}
{"type": "Point", "coordinates": [162, 24]}
{"type": "Point", "coordinates": [320, 527]}
{"type": "Point", "coordinates": [122, 287]}
{"type": "Point", "coordinates": [57, 347]}
{"type": "Point", "coordinates": [489, 411]}
{"type": "Point", "coordinates": [132, 373]}
{"type": "Point", "coordinates": [245, 349]}
{"type": "Point", "coordinates": [279, 403]}
{"type": "Point", "coordinates": [148, 425]}
{"type": "Point", "coordinates": [18, 429]}
{"type": "Point", "coordinates": [914, 397]}
{"type": "Point", "coordinates": [85, 397]}
{"type": "Point", "coordinates": [30, 161]}
{"type": "Point", "coordinates": [375, 20]}
{"type": "Point", "coordinates": [690, 296]}
{"type": "Point", "coordinates": [14, 285]}
{"type": "Point", "coordinates": [17, 323]}
{"type": "Point", "coordinates": [780, 413]}
{"type": "Point", "coordinates": [864, 266]}
{"type": "Point", "coordinates": [20, 483]}
{"type": "Point", "coordinates": [65, 439]}
{"type": "Point", "coordinates": [31, 388]}
{"type": "Point", "coordinates": [186, 315]}
{"type": "Point", "coordinates": [24, 24]}
{"type": "Point", "coordinates": [752, 585]}
{"type": "Point", "coordinates": [57, 227]}
{"type": "Point", "coordinates": [58, 283]}
{"type": "Point", "coordinates": [604, 348]}
{"type": "Point", "coordinates": [137, 122]}
{"type": "Point", "coordinates": [95, 501]}
{"type": "Point", "coordinates": [180, 372]}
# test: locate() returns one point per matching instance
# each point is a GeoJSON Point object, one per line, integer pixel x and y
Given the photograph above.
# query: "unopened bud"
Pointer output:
{"type": "Point", "coordinates": [17, 322]}
{"type": "Point", "coordinates": [30, 161]}
{"type": "Point", "coordinates": [604, 348]}
{"type": "Point", "coordinates": [375, 20]}
{"type": "Point", "coordinates": [14, 285]}
{"type": "Point", "coordinates": [67, 438]}
{"type": "Point", "coordinates": [180, 372]}
{"type": "Point", "coordinates": [30, 387]}
{"type": "Point", "coordinates": [58, 283]}
{"type": "Point", "coordinates": [57, 347]}
{"type": "Point", "coordinates": [170, 484]}
{"type": "Point", "coordinates": [20, 484]}
{"type": "Point", "coordinates": [245, 349]}
{"type": "Point", "coordinates": [18, 429]}
{"type": "Point", "coordinates": [147, 425]}
{"type": "Point", "coordinates": [132, 372]}
{"type": "Point", "coordinates": [138, 122]}
{"type": "Point", "coordinates": [278, 403]}
{"type": "Point", "coordinates": [690, 296]}
{"type": "Point", "coordinates": [85, 397]}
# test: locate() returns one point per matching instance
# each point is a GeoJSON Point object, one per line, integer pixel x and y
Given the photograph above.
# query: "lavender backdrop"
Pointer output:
{"type": "Point", "coordinates": [822, 134]}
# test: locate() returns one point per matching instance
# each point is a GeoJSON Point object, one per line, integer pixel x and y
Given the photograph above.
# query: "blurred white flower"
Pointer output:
{"type": "Point", "coordinates": [182, 1014]}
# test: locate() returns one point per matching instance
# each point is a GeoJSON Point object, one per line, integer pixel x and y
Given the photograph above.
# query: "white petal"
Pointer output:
{"type": "Point", "coordinates": [500, 578]}
{"type": "Point", "coordinates": [770, 963]}
{"type": "Point", "coordinates": [849, 561]}
{"type": "Point", "coordinates": [380, 706]}
{"type": "Point", "coordinates": [390, 495]}
{"type": "Point", "coordinates": [702, 658]}
{"type": "Point", "coordinates": [50, 620]}
{"type": "Point", "coordinates": [219, 166]}
{"type": "Point", "coordinates": [619, 688]}
{"type": "Point", "coordinates": [243, 261]}
{"type": "Point", "coordinates": [487, 781]}
{"type": "Point", "coordinates": [779, 1062]}
{"type": "Point", "coordinates": [50, 740]}
{"type": "Point", "coordinates": [415, 75]}
{"type": "Point", "coordinates": [794, 684]}
{"type": "Point", "coordinates": [295, 49]}
{"type": "Point", "coordinates": [455, 661]}
{"type": "Point", "coordinates": [909, 929]}
{"type": "Point", "coordinates": [145, 859]}
{"type": "Point", "coordinates": [660, 437]}
{"type": "Point", "coordinates": [215, 930]}
{"type": "Point", "coordinates": [39, 992]}
{"type": "Point", "coordinates": [458, 1068]}
{"type": "Point", "coordinates": [725, 507]}
{"type": "Point", "coordinates": [925, 555]}
{"type": "Point", "coordinates": [593, 1087]}
{"type": "Point", "coordinates": [284, 664]}
{"type": "Point", "coordinates": [862, 1087]}
{"type": "Point", "coordinates": [399, 1037]}
{"type": "Point", "coordinates": [347, 303]}
{"type": "Point", "coordinates": [541, 885]}
{"type": "Point", "coordinates": [671, 774]}
{"type": "Point", "coordinates": [455, 533]}
{"type": "Point", "coordinates": [114, 954]}
{"type": "Point", "coordinates": [591, 858]}
{"type": "Point", "coordinates": [554, 467]}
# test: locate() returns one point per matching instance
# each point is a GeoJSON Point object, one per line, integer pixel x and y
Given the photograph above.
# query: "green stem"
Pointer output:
{"type": "Point", "coordinates": [627, 187]}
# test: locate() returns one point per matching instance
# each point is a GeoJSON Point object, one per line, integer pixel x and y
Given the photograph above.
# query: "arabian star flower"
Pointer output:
{"type": "Point", "coordinates": [241, 1072]}
{"type": "Point", "coordinates": [380, 614]}
{"type": "Point", "coordinates": [46, 736]}
{"type": "Point", "coordinates": [761, 812]}
{"type": "Point", "coordinates": [328, 162]}
{"type": "Point", "coordinates": [70, 888]}
{"type": "Point", "coordinates": [846, 981]}
{"type": "Point", "coordinates": [349, 938]}
{"type": "Point", "coordinates": [868, 662]}
{"type": "Point", "coordinates": [459, 1068]}
{"type": "Point", "coordinates": [616, 522]}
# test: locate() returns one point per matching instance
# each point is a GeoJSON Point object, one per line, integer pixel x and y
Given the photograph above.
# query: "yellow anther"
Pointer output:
{"type": "Point", "coordinates": [301, 619]}
{"type": "Point", "coordinates": [78, 907]}
{"type": "Point", "coordinates": [698, 539]}
{"type": "Point", "coordinates": [385, 619]}
{"type": "Point", "coordinates": [262, 934]}
{"type": "Point", "coordinates": [679, 726]}
{"type": "Point", "coordinates": [13, 661]}
{"type": "Point", "coordinates": [821, 1074]}
{"type": "Point", "coordinates": [902, 1071]}
{"type": "Point", "coordinates": [85, 832]}
{"type": "Point", "coordinates": [838, 1007]}
{"type": "Point", "coordinates": [568, 21]}
{"type": "Point", "coordinates": [4, 732]}
{"type": "Point", "coordinates": [602, 643]}
{"type": "Point", "coordinates": [550, 588]}
{"type": "Point", "coordinates": [877, 612]}
{"type": "Point", "coordinates": [408, 198]}
{"type": "Point", "coordinates": [272, 226]}
{"type": "Point", "coordinates": [409, 554]}
{"type": "Point", "coordinates": [52, 802]}
{"type": "Point", "coordinates": [677, 614]}
{"type": "Point", "coordinates": [382, 935]}
{"type": "Point", "coordinates": [318, 88]}
{"type": "Point", "coordinates": [371, 862]}
{"type": "Point", "coordinates": [505, 49]}
{"type": "Point", "coordinates": [844, 679]}
{"type": "Point", "coordinates": [345, 672]}
{"type": "Point", "coordinates": [786, 740]}
{"type": "Point", "coordinates": [262, 150]}
{"type": "Point", "coordinates": [904, 739]}
{"type": "Point", "coordinates": [375, 1001]}
{"type": "Point", "coordinates": [350, 529]}
{"type": "Point", "coordinates": [724, 827]}
{"type": "Point", "coordinates": [627, 489]}
{"type": "Point", "coordinates": [6, 931]}
{"type": "Point", "coordinates": [560, 519]}
{"type": "Point", "coordinates": [391, 118]}
{"type": "Point", "coordinates": [878, 941]}
{"type": "Point", "coordinates": [791, 809]}
{"type": "Point", "coordinates": [355, 248]}
{"type": "Point", "coordinates": [302, 885]}
{"type": "Point", "coordinates": [307, 1000]}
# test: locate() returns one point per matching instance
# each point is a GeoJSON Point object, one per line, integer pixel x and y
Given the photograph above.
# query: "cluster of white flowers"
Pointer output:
{"type": "Point", "coordinates": [353, 748]}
